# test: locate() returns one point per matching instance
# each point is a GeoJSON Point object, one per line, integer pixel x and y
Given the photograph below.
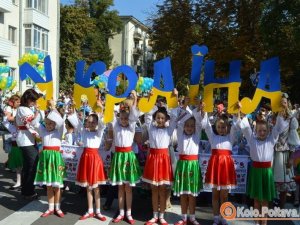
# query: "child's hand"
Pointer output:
{"type": "Point", "coordinates": [99, 103]}
{"type": "Point", "coordinates": [51, 104]}
{"type": "Point", "coordinates": [175, 92]}
{"type": "Point", "coordinates": [134, 94]}
{"type": "Point", "coordinates": [201, 106]}
{"type": "Point", "coordinates": [239, 105]}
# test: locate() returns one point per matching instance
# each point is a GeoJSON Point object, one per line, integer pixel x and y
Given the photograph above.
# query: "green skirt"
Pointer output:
{"type": "Point", "coordinates": [188, 178]}
{"type": "Point", "coordinates": [125, 169]}
{"type": "Point", "coordinates": [50, 169]}
{"type": "Point", "coordinates": [15, 158]}
{"type": "Point", "coordinates": [261, 184]}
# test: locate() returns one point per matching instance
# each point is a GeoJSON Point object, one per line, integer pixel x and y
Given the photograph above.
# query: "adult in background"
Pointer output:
{"type": "Point", "coordinates": [283, 171]}
{"type": "Point", "coordinates": [25, 118]}
{"type": "Point", "coordinates": [15, 159]}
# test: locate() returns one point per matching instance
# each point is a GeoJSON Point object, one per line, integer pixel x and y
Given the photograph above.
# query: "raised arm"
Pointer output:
{"type": "Point", "coordinates": [134, 112]}
{"type": "Point", "coordinates": [148, 117]}
{"type": "Point", "coordinates": [244, 125]}
{"type": "Point", "coordinates": [203, 120]}
{"type": "Point", "coordinates": [173, 116]}
{"type": "Point", "coordinates": [280, 126]}
{"type": "Point", "coordinates": [234, 130]}
{"type": "Point", "coordinates": [184, 116]}
{"type": "Point", "coordinates": [101, 125]}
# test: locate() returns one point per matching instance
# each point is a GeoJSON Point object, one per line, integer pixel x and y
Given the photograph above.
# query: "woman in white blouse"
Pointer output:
{"type": "Point", "coordinates": [25, 118]}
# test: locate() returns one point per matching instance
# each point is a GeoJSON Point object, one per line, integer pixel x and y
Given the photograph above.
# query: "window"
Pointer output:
{"type": "Point", "coordinates": [14, 2]}
{"type": "Point", "coordinates": [29, 3]}
{"type": "Point", "coordinates": [12, 34]}
{"type": "Point", "coordinates": [12, 72]}
{"type": "Point", "coordinates": [41, 5]}
{"type": "Point", "coordinates": [1, 17]}
{"type": "Point", "coordinates": [36, 38]}
{"type": "Point", "coordinates": [29, 82]}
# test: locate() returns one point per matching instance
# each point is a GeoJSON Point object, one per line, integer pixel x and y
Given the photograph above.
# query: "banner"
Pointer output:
{"type": "Point", "coordinates": [71, 155]}
{"type": "Point", "coordinates": [268, 83]}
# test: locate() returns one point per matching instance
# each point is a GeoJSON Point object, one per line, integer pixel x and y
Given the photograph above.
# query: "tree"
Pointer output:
{"type": "Point", "coordinates": [174, 39]}
{"type": "Point", "coordinates": [250, 31]}
{"type": "Point", "coordinates": [75, 24]}
{"type": "Point", "coordinates": [280, 27]}
{"type": "Point", "coordinates": [107, 23]}
{"type": "Point", "coordinates": [85, 29]}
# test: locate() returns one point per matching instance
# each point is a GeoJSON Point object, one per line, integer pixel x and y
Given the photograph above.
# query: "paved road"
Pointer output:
{"type": "Point", "coordinates": [14, 210]}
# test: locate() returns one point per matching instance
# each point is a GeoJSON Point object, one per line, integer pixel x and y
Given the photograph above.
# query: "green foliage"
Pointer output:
{"type": "Point", "coordinates": [280, 27]}
{"type": "Point", "coordinates": [107, 24]}
{"type": "Point", "coordinates": [174, 39]}
{"type": "Point", "coordinates": [250, 31]}
{"type": "Point", "coordinates": [75, 24]}
{"type": "Point", "coordinates": [85, 29]}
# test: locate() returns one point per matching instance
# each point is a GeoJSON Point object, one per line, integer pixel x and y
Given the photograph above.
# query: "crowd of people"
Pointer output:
{"type": "Point", "coordinates": [141, 145]}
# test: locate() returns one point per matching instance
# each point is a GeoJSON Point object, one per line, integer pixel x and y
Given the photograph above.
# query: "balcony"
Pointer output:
{"type": "Point", "coordinates": [33, 16]}
{"type": "Point", "coordinates": [137, 51]}
{"type": "Point", "coordinates": [6, 6]}
{"type": "Point", "coordinates": [137, 35]}
{"type": "Point", "coordinates": [5, 47]}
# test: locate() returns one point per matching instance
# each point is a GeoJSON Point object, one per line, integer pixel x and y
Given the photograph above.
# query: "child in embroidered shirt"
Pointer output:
{"type": "Point", "coordinates": [220, 161]}
{"type": "Point", "coordinates": [188, 179]}
{"type": "Point", "coordinates": [261, 186]}
{"type": "Point", "coordinates": [125, 170]}
{"type": "Point", "coordinates": [51, 167]}
{"type": "Point", "coordinates": [91, 171]}
{"type": "Point", "coordinates": [158, 169]}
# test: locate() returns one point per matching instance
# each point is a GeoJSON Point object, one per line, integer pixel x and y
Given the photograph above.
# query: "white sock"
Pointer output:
{"type": "Point", "coordinates": [155, 215]}
{"type": "Point", "coordinates": [184, 217]}
{"type": "Point", "coordinates": [57, 206]}
{"type": "Point", "coordinates": [90, 210]}
{"type": "Point", "coordinates": [18, 179]}
{"type": "Point", "coordinates": [51, 206]}
{"type": "Point", "coordinates": [128, 214]}
{"type": "Point", "coordinates": [122, 212]}
{"type": "Point", "coordinates": [161, 215]}
{"type": "Point", "coordinates": [98, 211]}
{"type": "Point", "coordinates": [192, 217]}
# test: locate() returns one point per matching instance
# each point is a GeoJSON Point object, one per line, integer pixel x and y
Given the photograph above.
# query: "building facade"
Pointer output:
{"type": "Point", "coordinates": [132, 46]}
{"type": "Point", "coordinates": [26, 25]}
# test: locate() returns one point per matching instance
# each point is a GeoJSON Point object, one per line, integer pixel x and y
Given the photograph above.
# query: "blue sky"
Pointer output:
{"type": "Point", "coordinates": [137, 8]}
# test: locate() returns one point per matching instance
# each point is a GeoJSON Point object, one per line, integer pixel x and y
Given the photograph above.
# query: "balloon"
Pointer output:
{"type": "Point", "coordinates": [3, 83]}
{"type": "Point", "coordinates": [14, 83]}
{"type": "Point", "coordinates": [9, 82]}
{"type": "Point", "coordinates": [101, 85]}
{"type": "Point", "coordinates": [34, 59]}
{"type": "Point", "coordinates": [41, 67]}
{"type": "Point", "coordinates": [32, 51]}
{"type": "Point", "coordinates": [7, 69]}
{"type": "Point", "coordinates": [41, 56]}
